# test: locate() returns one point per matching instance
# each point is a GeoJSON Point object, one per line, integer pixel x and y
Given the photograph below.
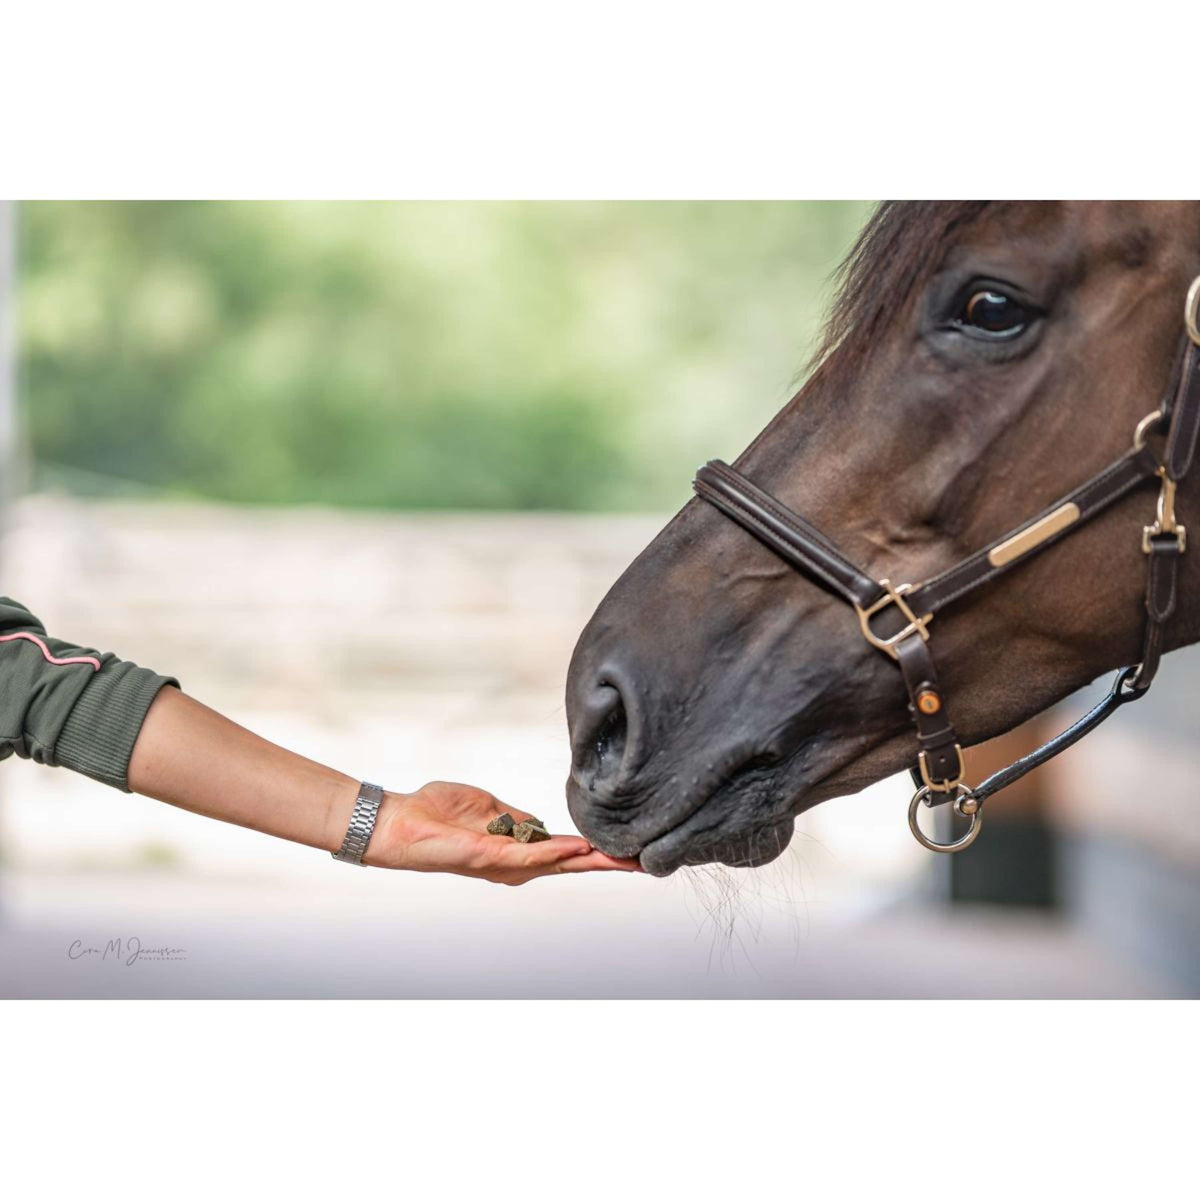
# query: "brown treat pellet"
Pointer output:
{"type": "Point", "coordinates": [527, 831]}
{"type": "Point", "coordinates": [503, 825]}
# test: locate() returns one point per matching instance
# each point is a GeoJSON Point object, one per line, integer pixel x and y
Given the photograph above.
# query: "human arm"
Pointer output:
{"type": "Point", "coordinates": [194, 758]}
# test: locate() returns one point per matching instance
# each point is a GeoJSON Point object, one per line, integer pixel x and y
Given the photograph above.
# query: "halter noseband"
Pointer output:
{"type": "Point", "coordinates": [895, 619]}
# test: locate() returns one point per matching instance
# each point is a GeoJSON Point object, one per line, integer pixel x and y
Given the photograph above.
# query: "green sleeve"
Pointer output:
{"type": "Point", "coordinates": [68, 706]}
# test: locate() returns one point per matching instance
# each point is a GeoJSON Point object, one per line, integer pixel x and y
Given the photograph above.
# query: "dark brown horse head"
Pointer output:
{"type": "Point", "coordinates": [982, 359]}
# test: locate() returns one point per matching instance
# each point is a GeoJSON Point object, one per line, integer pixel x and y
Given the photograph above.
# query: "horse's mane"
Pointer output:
{"type": "Point", "coordinates": [894, 253]}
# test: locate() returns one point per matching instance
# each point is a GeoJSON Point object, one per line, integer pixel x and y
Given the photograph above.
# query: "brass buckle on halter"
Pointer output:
{"type": "Point", "coordinates": [950, 784]}
{"type": "Point", "coordinates": [894, 595]}
{"type": "Point", "coordinates": [1164, 521]}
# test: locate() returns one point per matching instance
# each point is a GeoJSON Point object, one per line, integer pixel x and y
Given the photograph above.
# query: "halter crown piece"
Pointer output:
{"type": "Point", "coordinates": [895, 618]}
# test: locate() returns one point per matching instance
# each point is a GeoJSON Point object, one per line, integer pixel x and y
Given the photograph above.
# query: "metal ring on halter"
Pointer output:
{"type": "Point", "coordinates": [1191, 311]}
{"type": "Point", "coordinates": [1144, 426]}
{"type": "Point", "coordinates": [975, 813]}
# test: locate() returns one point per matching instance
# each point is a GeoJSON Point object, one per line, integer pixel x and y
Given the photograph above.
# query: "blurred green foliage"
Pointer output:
{"type": "Point", "coordinates": [434, 355]}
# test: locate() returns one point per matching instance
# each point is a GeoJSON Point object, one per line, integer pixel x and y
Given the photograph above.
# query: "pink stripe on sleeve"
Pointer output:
{"type": "Point", "coordinates": [94, 663]}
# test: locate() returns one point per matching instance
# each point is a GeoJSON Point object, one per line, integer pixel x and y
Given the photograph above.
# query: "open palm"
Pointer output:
{"type": "Point", "coordinates": [443, 827]}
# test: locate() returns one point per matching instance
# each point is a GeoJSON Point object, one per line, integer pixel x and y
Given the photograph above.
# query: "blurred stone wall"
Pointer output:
{"type": "Point", "coordinates": [286, 608]}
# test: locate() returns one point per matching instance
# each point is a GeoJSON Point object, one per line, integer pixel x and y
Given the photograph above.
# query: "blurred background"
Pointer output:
{"type": "Point", "coordinates": [358, 474]}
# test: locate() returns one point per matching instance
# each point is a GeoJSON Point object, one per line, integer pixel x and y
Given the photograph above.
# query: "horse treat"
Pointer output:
{"type": "Point", "coordinates": [530, 831]}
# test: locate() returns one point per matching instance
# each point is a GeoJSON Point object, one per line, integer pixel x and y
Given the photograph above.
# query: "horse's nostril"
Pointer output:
{"type": "Point", "coordinates": [600, 757]}
{"type": "Point", "coordinates": [610, 740]}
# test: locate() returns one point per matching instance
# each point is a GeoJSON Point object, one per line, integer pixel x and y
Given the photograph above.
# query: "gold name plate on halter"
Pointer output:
{"type": "Point", "coordinates": [1021, 543]}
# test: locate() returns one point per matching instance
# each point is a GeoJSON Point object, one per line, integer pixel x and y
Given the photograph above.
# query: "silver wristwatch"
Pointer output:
{"type": "Point", "coordinates": [362, 822]}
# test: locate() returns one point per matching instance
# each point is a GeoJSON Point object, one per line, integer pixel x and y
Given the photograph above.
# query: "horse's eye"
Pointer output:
{"type": "Point", "coordinates": [994, 314]}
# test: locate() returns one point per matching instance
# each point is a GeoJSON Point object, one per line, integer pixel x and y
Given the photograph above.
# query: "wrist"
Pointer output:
{"type": "Point", "coordinates": [339, 808]}
{"type": "Point", "coordinates": [361, 829]}
{"type": "Point", "coordinates": [383, 848]}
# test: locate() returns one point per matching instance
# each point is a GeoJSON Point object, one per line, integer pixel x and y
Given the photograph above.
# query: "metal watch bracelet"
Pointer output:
{"type": "Point", "coordinates": [362, 823]}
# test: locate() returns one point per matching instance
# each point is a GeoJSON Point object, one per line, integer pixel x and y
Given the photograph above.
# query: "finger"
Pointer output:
{"type": "Point", "coordinates": [524, 856]}
{"type": "Point", "coordinates": [596, 861]}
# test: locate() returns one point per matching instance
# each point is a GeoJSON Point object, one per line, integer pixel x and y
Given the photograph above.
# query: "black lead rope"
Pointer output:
{"type": "Point", "coordinates": [1120, 693]}
{"type": "Point", "coordinates": [895, 619]}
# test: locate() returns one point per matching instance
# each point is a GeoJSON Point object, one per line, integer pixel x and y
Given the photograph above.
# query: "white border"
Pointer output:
{"type": "Point", "coordinates": [599, 1099]}
{"type": "Point", "coordinates": [626, 99]}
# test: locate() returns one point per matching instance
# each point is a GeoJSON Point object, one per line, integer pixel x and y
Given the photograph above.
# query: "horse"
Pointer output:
{"type": "Point", "coordinates": [980, 360]}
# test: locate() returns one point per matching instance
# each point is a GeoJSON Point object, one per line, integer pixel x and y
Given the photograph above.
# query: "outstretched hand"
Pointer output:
{"type": "Point", "coordinates": [443, 827]}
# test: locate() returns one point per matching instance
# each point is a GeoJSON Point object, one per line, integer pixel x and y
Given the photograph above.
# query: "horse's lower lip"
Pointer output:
{"type": "Point", "coordinates": [661, 841]}
{"type": "Point", "coordinates": [667, 850]}
{"type": "Point", "coordinates": [652, 858]}
{"type": "Point", "coordinates": [665, 854]}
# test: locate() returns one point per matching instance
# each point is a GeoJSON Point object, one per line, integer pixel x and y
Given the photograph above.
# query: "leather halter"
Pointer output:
{"type": "Point", "coordinates": [895, 619]}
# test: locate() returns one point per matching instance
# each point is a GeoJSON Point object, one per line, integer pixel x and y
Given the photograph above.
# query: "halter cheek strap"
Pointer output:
{"type": "Point", "coordinates": [895, 619]}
